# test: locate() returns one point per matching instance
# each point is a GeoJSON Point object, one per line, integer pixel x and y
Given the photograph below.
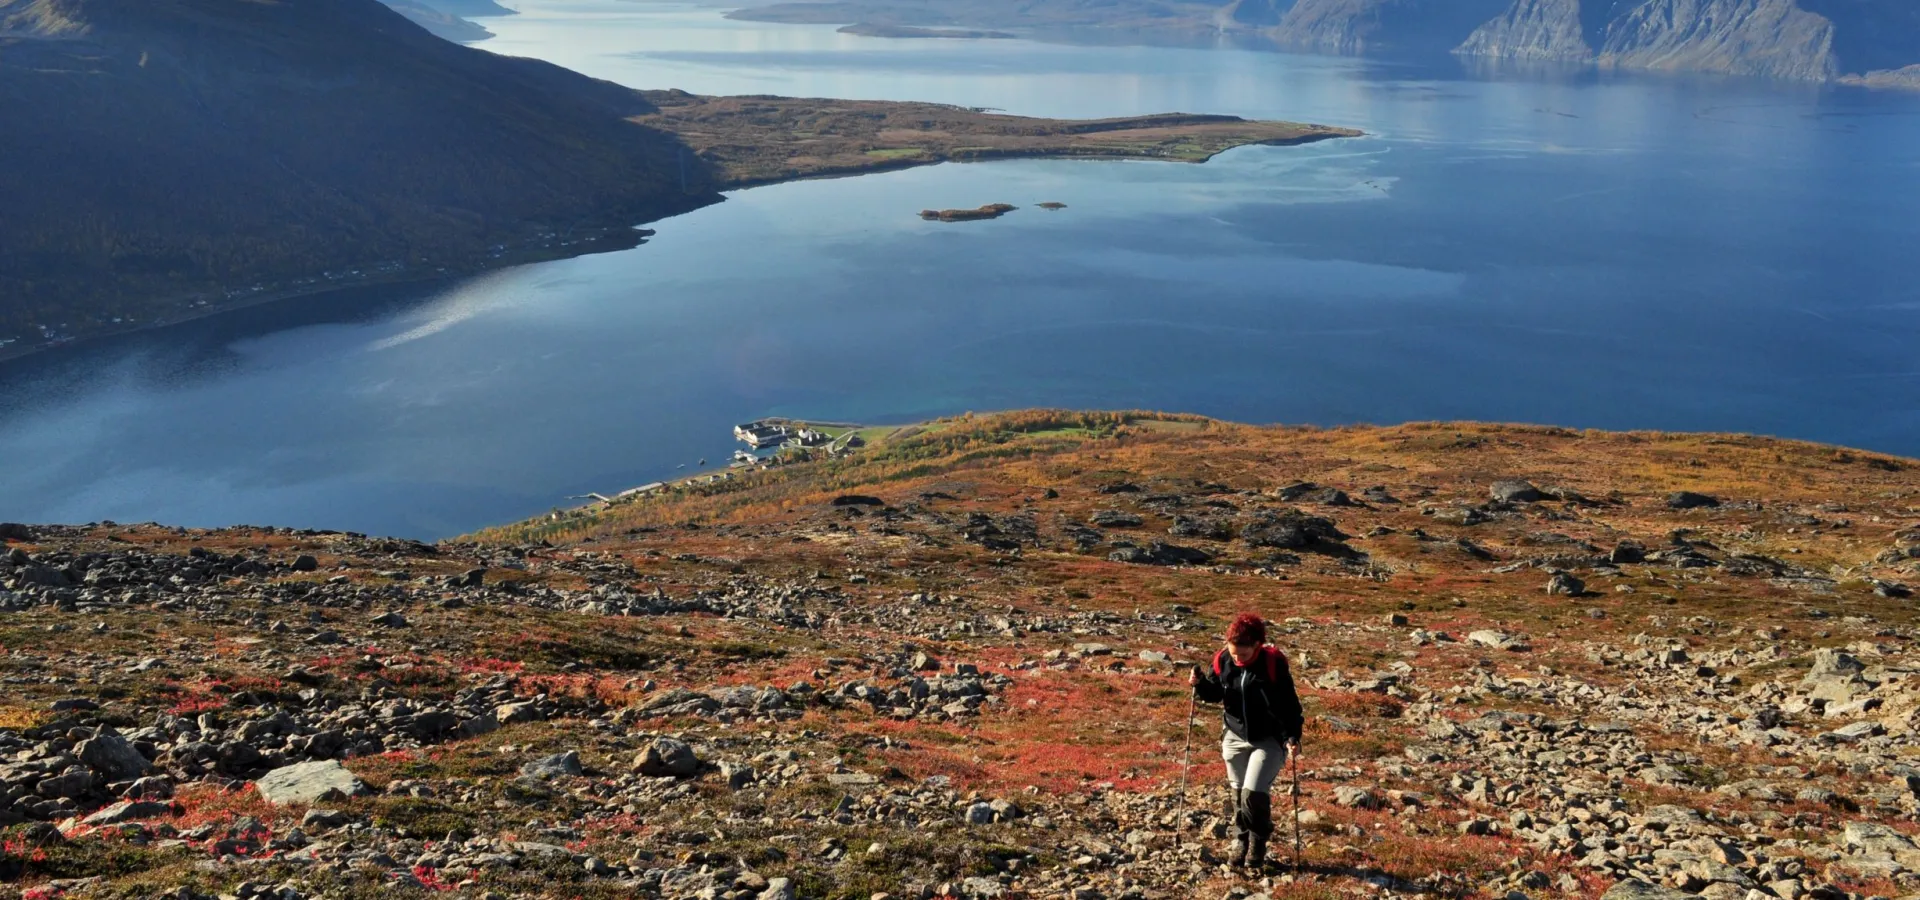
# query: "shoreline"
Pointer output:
{"type": "Point", "coordinates": [599, 245]}
{"type": "Point", "coordinates": [268, 298]}
{"type": "Point", "coordinates": [987, 155]}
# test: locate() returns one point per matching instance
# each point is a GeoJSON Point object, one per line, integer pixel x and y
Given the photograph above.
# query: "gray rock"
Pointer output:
{"type": "Point", "coordinates": [541, 849]}
{"type": "Point", "coordinates": [559, 765]}
{"type": "Point", "coordinates": [1830, 661]}
{"type": "Point", "coordinates": [1356, 797]}
{"type": "Point", "coordinates": [1667, 775]}
{"type": "Point", "coordinates": [389, 620]}
{"type": "Point", "coordinates": [1714, 871]}
{"type": "Point", "coordinates": [667, 758]}
{"type": "Point", "coordinates": [981, 888]}
{"type": "Point", "coordinates": [1565, 585]}
{"type": "Point", "coordinates": [318, 820]}
{"type": "Point", "coordinates": [1516, 490]}
{"type": "Point", "coordinates": [1498, 640]}
{"type": "Point", "coordinates": [980, 814]}
{"type": "Point", "coordinates": [305, 563]}
{"type": "Point", "coordinates": [1690, 500]}
{"type": "Point", "coordinates": [110, 755]}
{"type": "Point", "coordinates": [1853, 733]}
{"type": "Point", "coordinates": [1832, 689]}
{"type": "Point", "coordinates": [738, 775]}
{"type": "Point", "coordinates": [149, 788]}
{"type": "Point", "coordinates": [1635, 889]}
{"type": "Point", "coordinates": [777, 889]}
{"type": "Point", "coordinates": [309, 782]}
{"type": "Point", "coordinates": [515, 713]}
{"type": "Point", "coordinates": [1873, 837]}
{"type": "Point", "coordinates": [127, 811]}
{"type": "Point", "coordinates": [1113, 518]}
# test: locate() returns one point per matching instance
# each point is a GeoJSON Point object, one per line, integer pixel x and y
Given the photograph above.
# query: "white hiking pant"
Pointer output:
{"type": "Point", "coordinates": [1252, 766]}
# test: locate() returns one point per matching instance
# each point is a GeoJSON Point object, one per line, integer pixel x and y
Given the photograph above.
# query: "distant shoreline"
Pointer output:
{"type": "Point", "coordinates": [869, 29]}
{"type": "Point", "coordinates": [969, 135]}
{"type": "Point", "coordinates": [403, 277]}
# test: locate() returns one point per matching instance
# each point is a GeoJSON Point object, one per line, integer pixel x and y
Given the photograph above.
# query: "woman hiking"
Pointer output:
{"type": "Point", "coordinates": [1251, 681]}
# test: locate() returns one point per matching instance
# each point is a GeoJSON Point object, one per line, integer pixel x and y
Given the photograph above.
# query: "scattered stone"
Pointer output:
{"type": "Point", "coordinates": [1499, 640]}
{"type": "Point", "coordinates": [309, 782]}
{"type": "Point", "coordinates": [110, 755]}
{"type": "Point", "coordinates": [1516, 490]}
{"type": "Point", "coordinates": [667, 758]}
{"type": "Point", "coordinates": [559, 765]}
{"type": "Point", "coordinates": [1690, 500]}
{"type": "Point", "coordinates": [1565, 585]}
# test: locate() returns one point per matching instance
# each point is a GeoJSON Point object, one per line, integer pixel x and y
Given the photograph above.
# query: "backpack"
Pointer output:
{"type": "Point", "coordinates": [1269, 654]}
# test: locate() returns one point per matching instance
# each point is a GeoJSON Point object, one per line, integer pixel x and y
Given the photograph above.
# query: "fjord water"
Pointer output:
{"type": "Point", "coordinates": [1618, 251]}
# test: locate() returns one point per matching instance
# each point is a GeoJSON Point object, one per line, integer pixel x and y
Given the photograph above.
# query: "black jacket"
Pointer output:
{"type": "Point", "coordinates": [1256, 708]}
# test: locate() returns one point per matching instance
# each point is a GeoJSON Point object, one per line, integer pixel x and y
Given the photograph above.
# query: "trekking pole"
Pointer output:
{"type": "Point", "coordinates": [1186, 762]}
{"type": "Point", "coordinates": [1296, 809]}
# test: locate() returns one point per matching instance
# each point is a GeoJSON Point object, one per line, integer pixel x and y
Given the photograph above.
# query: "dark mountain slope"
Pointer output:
{"type": "Point", "coordinates": [155, 147]}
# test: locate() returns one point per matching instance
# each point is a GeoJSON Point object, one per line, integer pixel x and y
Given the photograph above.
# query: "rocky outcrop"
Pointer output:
{"type": "Point", "coordinates": [1774, 38]}
{"type": "Point", "coordinates": [1908, 77]}
{"type": "Point", "coordinates": [1361, 26]}
{"type": "Point", "coordinates": [1871, 42]}
{"type": "Point", "coordinates": [1533, 29]}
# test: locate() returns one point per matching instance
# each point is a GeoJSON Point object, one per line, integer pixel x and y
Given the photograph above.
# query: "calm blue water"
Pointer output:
{"type": "Point", "coordinates": [1607, 251]}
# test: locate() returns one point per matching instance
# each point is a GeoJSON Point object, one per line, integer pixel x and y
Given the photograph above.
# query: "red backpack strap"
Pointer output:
{"type": "Point", "coordinates": [1275, 658]}
{"type": "Point", "coordinates": [1219, 664]}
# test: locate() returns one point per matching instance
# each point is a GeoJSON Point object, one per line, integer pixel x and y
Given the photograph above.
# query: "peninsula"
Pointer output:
{"type": "Point", "coordinates": [763, 140]}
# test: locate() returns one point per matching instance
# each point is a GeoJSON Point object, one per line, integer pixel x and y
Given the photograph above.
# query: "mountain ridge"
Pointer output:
{"type": "Point", "coordinates": [1869, 42]}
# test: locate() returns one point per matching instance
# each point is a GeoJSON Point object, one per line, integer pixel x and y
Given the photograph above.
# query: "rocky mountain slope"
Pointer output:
{"type": "Point", "coordinates": [1537, 663]}
{"type": "Point", "coordinates": [158, 147]}
{"type": "Point", "coordinates": [1795, 39]}
{"type": "Point", "coordinates": [1364, 26]}
{"type": "Point", "coordinates": [1858, 41]}
{"type": "Point", "coordinates": [1774, 38]}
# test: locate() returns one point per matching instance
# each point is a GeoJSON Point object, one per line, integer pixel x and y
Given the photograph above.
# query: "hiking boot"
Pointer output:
{"type": "Point", "coordinates": [1259, 807]}
{"type": "Point", "coordinates": [1242, 827]}
{"type": "Point", "coordinates": [1237, 858]}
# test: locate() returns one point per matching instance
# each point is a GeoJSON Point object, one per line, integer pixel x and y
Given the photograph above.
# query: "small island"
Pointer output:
{"type": "Point", "coordinates": [989, 211]}
{"type": "Point", "coordinates": [1052, 205]}
{"type": "Point", "coordinates": [756, 140]}
{"type": "Point", "coordinates": [870, 29]}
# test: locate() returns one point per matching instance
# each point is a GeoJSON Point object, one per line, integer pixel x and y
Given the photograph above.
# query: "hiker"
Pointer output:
{"type": "Point", "coordinates": [1249, 678]}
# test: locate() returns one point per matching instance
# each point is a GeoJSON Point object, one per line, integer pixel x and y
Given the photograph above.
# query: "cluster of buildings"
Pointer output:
{"type": "Point", "coordinates": [761, 435]}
